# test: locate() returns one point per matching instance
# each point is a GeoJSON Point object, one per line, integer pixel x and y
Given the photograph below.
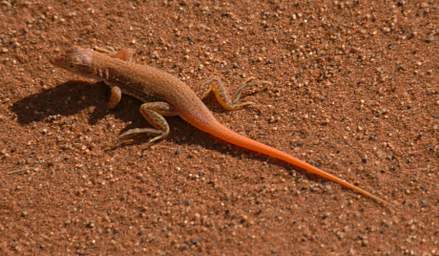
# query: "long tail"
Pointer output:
{"type": "Point", "coordinates": [220, 131]}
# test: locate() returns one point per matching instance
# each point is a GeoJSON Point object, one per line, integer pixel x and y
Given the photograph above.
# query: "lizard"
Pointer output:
{"type": "Point", "coordinates": [175, 98]}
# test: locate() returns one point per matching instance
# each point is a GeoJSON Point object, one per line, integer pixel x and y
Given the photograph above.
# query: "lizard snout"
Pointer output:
{"type": "Point", "coordinates": [73, 59]}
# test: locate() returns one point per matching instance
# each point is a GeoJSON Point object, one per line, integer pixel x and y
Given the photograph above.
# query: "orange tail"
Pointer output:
{"type": "Point", "coordinates": [220, 131]}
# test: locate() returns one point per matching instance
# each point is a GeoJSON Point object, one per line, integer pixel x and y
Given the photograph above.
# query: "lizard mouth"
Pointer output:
{"type": "Point", "coordinates": [57, 61]}
{"type": "Point", "coordinates": [73, 59]}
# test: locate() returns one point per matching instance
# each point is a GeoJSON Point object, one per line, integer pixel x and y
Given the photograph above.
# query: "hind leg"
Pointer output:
{"type": "Point", "coordinates": [217, 87]}
{"type": "Point", "coordinates": [154, 113]}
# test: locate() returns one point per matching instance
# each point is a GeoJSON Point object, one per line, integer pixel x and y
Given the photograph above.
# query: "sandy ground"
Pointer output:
{"type": "Point", "coordinates": [355, 91]}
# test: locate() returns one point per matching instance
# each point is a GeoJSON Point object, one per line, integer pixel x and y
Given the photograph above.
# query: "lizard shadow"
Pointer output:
{"type": "Point", "coordinates": [72, 97]}
{"type": "Point", "coordinates": [65, 99]}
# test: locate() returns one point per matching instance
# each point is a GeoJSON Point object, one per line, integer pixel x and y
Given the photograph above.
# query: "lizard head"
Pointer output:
{"type": "Point", "coordinates": [76, 60]}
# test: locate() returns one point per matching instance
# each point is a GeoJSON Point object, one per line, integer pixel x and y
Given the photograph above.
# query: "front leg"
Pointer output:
{"type": "Point", "coordinates": [154, 113]}
{"type": "Point", "coordinates": [125, 54]}
{"type": "Point", "coordinates": [115, 97]}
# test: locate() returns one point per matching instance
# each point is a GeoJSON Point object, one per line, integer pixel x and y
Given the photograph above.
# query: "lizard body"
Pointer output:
{"type": "Point", "coordinates": [174, 98]}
